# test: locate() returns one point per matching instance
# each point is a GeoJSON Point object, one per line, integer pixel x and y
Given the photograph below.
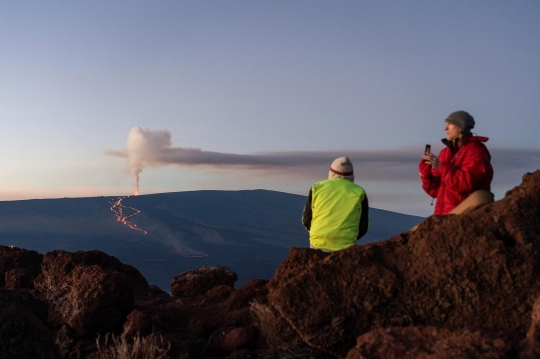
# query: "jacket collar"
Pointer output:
{"type": "Point", "coordinates": [464, 140]}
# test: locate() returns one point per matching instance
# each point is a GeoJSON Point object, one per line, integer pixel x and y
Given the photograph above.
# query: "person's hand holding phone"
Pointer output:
{"type": "Point", "coordinates": [430, 158]}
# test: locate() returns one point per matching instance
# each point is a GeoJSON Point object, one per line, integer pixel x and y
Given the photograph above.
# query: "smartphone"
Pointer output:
{"type": "Point", "coordinates": [427, 151]}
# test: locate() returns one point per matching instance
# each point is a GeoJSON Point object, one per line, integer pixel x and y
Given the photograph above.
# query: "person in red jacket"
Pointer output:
{"type": "Point", "coordinates": [462, 167]}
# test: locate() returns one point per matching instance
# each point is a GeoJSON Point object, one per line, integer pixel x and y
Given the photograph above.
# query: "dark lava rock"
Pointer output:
{"type": "Point", "coordinates": [91, 292]}
{"type": "Point", "coordinates": [431, 343]}
{"type": "Point", "coordinates": [475, 270]}
{"type": "Point", "coordinates": [23, 336]}
{"type": "Point", "coordinates": [26, 263]}
{"type": "Point", "coordinates": [198, 281]}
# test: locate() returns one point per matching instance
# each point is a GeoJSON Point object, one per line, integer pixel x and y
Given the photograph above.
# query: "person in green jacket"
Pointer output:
{"type": "Point", "coordinates": [336, 211]}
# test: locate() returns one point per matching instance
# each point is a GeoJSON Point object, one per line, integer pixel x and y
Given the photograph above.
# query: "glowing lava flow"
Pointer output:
{"type": "Point", "coordinates": [118, 209]}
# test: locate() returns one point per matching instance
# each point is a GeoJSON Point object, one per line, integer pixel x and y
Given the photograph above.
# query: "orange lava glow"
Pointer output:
{"type": "Point", "coordinates": [118, 209]}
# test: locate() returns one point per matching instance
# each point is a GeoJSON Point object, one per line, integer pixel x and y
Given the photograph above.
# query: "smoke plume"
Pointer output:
{"type": "Point", "coordinates": [149, 148]}
{"type": "Point", "coordinates": [143, 147]}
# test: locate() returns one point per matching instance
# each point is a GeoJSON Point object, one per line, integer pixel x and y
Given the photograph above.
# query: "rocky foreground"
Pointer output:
{"type": "Point", "coordinates": [459, 286]}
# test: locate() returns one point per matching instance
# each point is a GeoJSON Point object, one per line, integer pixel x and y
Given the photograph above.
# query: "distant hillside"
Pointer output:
{"type": "Point", "coordinates": [248, 231]}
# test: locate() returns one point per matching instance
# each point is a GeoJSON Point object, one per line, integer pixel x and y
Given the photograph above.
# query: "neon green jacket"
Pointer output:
{"type": "Point", "coordinates": [336, 214]}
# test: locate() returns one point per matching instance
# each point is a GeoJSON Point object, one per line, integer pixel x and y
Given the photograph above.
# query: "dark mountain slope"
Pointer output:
{"type": "Point", "coordinates": [248, 231]}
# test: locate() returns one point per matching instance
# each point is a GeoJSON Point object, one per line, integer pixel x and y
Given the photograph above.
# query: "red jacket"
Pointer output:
{"type": "Point", "coordinates": [462, 172]}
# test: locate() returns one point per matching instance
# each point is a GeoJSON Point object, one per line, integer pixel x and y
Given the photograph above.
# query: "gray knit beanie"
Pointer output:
{"type": "Point", "coordinates": [461, 119]}
{"type": "Point", "coordinates": [342, 168]}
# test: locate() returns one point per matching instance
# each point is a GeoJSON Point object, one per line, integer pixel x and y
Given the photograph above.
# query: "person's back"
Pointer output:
{"type": "Point", "coordinates": [336, 205]}
{"type": "Point", "coordinates": [336, 212]}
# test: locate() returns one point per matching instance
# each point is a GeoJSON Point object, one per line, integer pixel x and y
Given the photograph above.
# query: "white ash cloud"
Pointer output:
{"type": "Point", "coordinates": [153, 148]}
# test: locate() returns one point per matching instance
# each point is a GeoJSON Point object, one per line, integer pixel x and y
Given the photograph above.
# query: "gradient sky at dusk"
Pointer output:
{"type": "Point", "coordinates": [302, 82]}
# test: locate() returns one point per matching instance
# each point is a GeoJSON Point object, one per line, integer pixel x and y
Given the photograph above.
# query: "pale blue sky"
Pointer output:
{"type": "Point", "coordinates": [245, 77]}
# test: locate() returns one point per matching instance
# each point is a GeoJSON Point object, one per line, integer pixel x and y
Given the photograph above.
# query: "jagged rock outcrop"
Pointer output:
{"type": "Point", "coordinates": [531, 344]}
{"type": "Point", "coordinates": [19, 278]}
{"type": "Point", "coordinates": [233, 339]}
{"type": "Point", "coordinates": [464, 286]}
{"type": "Point", "coordinates": [432, 342]}
{"type": "Point", "coordinates": [26, 299]}
{"type": "Point", "coordinates": [91, 292]}
{"type": "Point", "coordinates": [198, 281]}
{"type": "Point", "coordinates": [476, 270]}
{"type": "Point", "coordinates": [22, 335]}
{"type": "Point", "coordinates": [20, 265]}
{"type": "Point", "coordinates": [81, 295]}
{"type": "Point", "coordinates": [78, 295]}
{"type": "Point", "coordinates": [211, 325]}
{"type": "Point", "coordinates": [98, 301]}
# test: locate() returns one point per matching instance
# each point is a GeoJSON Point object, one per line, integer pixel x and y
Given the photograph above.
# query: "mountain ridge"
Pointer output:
{"type": "Point", "coordinates": [250, 231]}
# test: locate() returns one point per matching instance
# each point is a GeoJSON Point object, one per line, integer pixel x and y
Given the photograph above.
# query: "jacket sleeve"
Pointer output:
{"type": "Point", "coordinates": [431, 179]}
{"type": "Point", "coordinates": [470, 173]}
{"type": "Point", "coordinates": [364, 219]}
{"type": "Point", "coordinates": [307, 214]}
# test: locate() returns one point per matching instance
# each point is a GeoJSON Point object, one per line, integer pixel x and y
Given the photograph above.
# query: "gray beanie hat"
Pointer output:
{"type": "Point", "coordinates": [461, 119]}
{"type": "Point", "coordinates": [342, 168]}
